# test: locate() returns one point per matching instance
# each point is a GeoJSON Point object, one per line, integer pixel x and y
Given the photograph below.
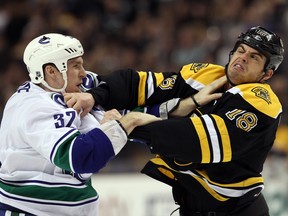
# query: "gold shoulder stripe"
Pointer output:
{"type": "Point", "coordinates": [262, 97]}
{"type": "Point", "coordinates": [202, 73]}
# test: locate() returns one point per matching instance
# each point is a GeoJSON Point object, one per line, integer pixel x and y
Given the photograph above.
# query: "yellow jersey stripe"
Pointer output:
{"type": "Point", "coordinates": [159, 161]}
{"type": "Point", "coordinates": [141, 88]}
{"type": "Point", "coordinates": [159, 78]}
{"type": "Point", "coordinates": [231, 190]}
{"type": "Point", "coordinates": [214, 139]}
{"type": "Point", "coordinates": [227, 151]}
{"type": "Point", "coordinates": [246, 183]}
{"type": "Point", "coordinates": [205, 150]}
{"type": "Point", "coordinates": [210, 190]}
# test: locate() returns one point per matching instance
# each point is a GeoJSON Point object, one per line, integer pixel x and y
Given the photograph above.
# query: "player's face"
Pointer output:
{"type": "Point", "coordinates": [246, 65]}
{"type": "Point", "coordinates": [75, 74]}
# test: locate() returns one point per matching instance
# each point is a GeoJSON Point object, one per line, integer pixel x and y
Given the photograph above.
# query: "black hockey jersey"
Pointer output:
{"type": "Point", "coordinates": [222, 146]}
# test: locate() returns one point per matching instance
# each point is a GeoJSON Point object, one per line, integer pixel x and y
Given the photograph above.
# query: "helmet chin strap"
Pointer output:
{"type": "Point", "coordinates": [228, 79]}
{"type": "Point", "coordinates": [61, 90]}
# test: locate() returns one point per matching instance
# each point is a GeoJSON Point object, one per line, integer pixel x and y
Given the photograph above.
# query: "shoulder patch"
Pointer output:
{"type": "Point", "coordinates": [260, 96]}
{"type": "Point", "coordinates": [198, 66]}
{"type": "Point", "coordinates": [262, 93]}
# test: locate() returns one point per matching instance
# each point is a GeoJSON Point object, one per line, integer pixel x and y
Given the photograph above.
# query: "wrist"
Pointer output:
{"type": "Point", "coordinates": [195, 102]}
{"type": "Point", "coordinates": [119, 123]}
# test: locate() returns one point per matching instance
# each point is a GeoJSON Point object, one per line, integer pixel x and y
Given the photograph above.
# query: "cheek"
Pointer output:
{"type": "Point", "coordinates": [71, 76]}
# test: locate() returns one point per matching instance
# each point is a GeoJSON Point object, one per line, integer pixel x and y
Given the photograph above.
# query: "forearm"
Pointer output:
{"type": "Point", "coordinates": [185, 107]}
{"type": "Point", "coordinates": [134, 119]}
{"type": "Point", "coordinates": [88, 153]}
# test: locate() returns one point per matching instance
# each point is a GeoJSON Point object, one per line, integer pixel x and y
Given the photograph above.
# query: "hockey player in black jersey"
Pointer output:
{"type": "Point", "coordinates": [211, 154]}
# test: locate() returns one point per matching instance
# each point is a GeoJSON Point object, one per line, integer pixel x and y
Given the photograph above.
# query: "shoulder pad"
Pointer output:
{"type": "Point", "coordinates": [198, 75]}
{"type": "Point", "coordinates": [260, 96]}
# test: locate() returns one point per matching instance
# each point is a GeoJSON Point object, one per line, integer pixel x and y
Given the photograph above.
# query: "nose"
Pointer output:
{"type": "Point", "coordinates": [82, 72]}
{"type": "Point", "coordinates": [244, 57]}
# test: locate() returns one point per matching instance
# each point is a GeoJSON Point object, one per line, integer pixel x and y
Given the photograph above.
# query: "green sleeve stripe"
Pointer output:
{"type": "Point", "coordinates": [53, 193]}
{"type": "Point", "coordinates": [62, 157]}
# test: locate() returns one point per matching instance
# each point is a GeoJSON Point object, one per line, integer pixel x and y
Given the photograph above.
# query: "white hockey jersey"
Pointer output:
{"type": "Point", "coordinates": [48, 154]}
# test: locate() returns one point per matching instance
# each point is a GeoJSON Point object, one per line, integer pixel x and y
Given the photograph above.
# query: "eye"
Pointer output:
{"type": "Point", "coordinates": [76, 66]}
{"type": "Point", "coordinates": [255, 57]}
{"type": "Point", "coordinates": [240, 50]}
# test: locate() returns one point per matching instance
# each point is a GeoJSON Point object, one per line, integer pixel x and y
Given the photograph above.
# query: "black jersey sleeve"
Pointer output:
{"type": "Point", "coordinates": [128, 89]}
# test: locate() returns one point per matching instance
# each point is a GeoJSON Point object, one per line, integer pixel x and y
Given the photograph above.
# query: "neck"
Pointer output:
{"type": "Point", "coordinates": [227, 86]}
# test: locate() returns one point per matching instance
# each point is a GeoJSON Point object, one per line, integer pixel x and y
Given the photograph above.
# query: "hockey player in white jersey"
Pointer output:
{"type": "Point", "coordinates": [48, 152]}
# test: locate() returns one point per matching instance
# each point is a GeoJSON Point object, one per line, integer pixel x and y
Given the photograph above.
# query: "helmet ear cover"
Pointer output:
{"type": "Point", "coordinates": [267, 43]}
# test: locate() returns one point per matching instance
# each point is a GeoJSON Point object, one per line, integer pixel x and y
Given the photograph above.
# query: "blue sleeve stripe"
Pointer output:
{"type": "Point", "coordinates": [91, 152]}
{"type": "Point", "coordinates": [154, 110]}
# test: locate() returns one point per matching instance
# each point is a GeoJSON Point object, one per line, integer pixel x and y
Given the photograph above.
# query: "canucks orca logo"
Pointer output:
{"type": "Point", "coordinates": [262, 93]}
{"type": "Point", "coordinates": [88, 82]}
{"type": "Point", "coordinates": [197, 67]}
{"type": "Point", "coordinates": [44, 40]}
{"type": "Point", "coordinates": [58, 98]}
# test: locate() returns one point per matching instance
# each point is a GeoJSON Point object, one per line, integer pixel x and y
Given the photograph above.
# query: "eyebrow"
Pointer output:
{"type": "Point", "coordinates": [75, 60]}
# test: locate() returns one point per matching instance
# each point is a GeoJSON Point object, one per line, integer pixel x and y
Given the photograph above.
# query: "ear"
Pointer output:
{"type": "Point", "coordinates": [50, 71]}
{"type": "Point", "coordinates": [268, 75]}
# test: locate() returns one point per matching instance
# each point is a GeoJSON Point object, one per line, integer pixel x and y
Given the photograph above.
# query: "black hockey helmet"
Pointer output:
{"type": "Point", "coordinates": [265, 42]}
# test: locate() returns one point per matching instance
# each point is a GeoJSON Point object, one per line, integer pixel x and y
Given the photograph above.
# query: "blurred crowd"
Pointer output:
{"type": "Point", "coordinates": [149, 35]}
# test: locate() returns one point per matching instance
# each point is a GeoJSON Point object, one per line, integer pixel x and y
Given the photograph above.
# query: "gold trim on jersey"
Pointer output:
{"type": "Point", "coordinates": [214, 138]}
{"type": "Point", "coordinates": [159, 78]}
{"type": "Point", "coordinates": [205, 150]}
{"type": "Point", "coordinates": [236, 189]}
{"type": "Point", "coordinates": [245, 183]}
{"type": "Point", "coordinates": [210, 190]}
{"type": "Point", "coordinates": [198, 75]}
{"type": "Point", "coordinates": [166, 172]}
{"type": "Point", "coordinates": [146, 79]}
{"type": "Point", "coordinates": [141, 88]}
{"type": "Point", "coordinates": [227, 151]}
